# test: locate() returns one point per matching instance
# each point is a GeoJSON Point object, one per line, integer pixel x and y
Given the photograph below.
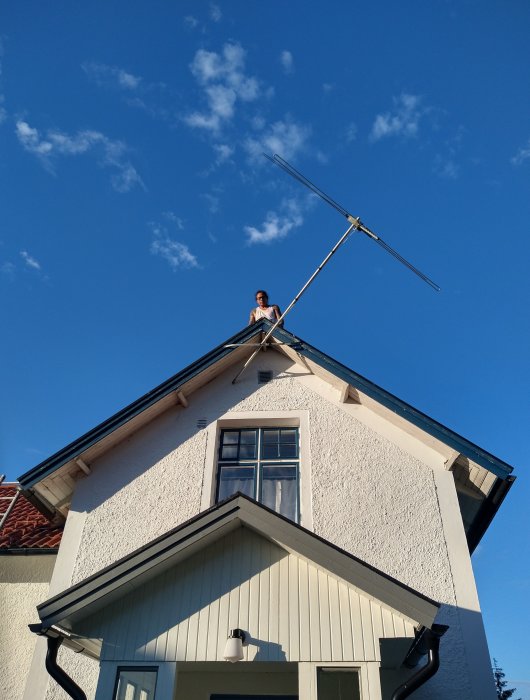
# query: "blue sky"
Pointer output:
{"type": "Point", "coordinates": [139, 216]}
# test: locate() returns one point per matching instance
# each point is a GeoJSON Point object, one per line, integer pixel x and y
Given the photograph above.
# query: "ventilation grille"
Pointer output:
{"type": "Point", "coordinates": [264, 376]}
{"type": "Point", "coordinates": [202, 423]}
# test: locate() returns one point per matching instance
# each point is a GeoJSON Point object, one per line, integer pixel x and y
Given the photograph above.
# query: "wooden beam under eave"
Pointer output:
{"type": "Point", "coordinates": [344, 392]}
{"type": "Point", "coordinates": [450, 461]}
{"type": "Point", "coordinates": [83, 466]}
{"type": "Point", "coordinates": [182, 399]}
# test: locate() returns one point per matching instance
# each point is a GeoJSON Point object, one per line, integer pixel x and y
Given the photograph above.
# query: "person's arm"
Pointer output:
{"type": "Point", "coordinates": [277, 312]}
{"type": "Point", "coordinates": [252, 318]}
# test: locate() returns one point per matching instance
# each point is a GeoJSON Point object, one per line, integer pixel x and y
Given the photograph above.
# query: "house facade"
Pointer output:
{"type": "Point", "coordinates": [324, 520]}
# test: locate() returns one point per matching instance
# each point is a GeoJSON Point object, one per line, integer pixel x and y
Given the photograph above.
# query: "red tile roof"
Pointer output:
{"type": "Point", "coordinates": [25, 527]}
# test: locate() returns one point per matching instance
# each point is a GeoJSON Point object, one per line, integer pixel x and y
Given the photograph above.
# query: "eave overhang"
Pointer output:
{"type": "Point", "coordinates": [235, 346]}
{"type": "Point", "coordinates": [167, 551]}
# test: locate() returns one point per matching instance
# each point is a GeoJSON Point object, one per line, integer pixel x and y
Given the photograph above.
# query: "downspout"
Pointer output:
{"type": "Point", "coordinates": [427, 642]}
{"type": "Point", "coordinates": [58, 674]}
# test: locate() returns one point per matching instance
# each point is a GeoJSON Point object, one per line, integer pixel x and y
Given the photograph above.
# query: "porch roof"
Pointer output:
{"type": "Point", "coordinates": [134, 570]}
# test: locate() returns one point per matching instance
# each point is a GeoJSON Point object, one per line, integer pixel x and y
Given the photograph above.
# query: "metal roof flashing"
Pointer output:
{"type": "Point", "coordinates": [168, 550]}
{"type": "Point", "coordinates": [233, 346]}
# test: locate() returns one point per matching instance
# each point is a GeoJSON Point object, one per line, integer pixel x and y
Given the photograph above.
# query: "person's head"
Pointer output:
{"type": "Point", "coordinates": [262, 297]}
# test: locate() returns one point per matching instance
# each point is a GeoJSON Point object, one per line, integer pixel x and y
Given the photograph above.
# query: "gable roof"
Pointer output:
{"type": "Point", "coordinates": [23, 528]}
{"type": "Point", "coordinates": [234, 348]}
{"type": "Point", "coordinates": [49, 485]}
{"type": "Point", "coordinates": [134, 570]}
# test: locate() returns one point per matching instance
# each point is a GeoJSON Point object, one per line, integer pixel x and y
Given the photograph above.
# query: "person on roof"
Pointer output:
{"type": "Point", "coordinates": [264, 310]}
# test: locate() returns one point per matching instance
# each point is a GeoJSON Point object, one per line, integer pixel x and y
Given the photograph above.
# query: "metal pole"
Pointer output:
{"type": "Point", "coordinates": [355, 225]}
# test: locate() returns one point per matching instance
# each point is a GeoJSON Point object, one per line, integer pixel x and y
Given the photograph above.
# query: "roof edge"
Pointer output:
{"type": "Point", "coordinates": [390, 401]}
{"type": "Point", "coordinates": [104, 581]}
{"type": "Point", "coordinates": [78, 446]}
{"type": "Point", "coordinates": [421, 420]}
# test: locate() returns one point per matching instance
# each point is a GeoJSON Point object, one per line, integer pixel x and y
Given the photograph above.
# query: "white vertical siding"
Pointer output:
{"type": "Point", "coordinates": [292, 609]}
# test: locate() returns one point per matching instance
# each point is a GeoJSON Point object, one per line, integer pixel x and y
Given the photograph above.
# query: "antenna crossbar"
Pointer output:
{"type": "Point", "coordinates": [355, 225]}
{"type": "Point", "coordinates": [294, 173]}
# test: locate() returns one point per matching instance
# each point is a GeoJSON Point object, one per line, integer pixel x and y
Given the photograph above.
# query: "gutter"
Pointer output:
{"type": "Point", "coordinates": [55, 637]}
{"type": "Point", "coordinates": [427, 642]}
{"type": "Point", "coordinates": [28, 551]}
{"type": "Point", "coordinates": [58, 674]}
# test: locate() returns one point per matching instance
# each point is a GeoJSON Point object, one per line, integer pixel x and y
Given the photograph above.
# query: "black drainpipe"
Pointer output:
{"type": "Point", "coordinates": [427, 642]}
{"type": "Point", "coordinates": [58, 674]}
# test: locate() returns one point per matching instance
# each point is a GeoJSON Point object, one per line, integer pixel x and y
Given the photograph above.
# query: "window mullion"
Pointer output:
{"type": "Point", "coordinates": [258, 466]}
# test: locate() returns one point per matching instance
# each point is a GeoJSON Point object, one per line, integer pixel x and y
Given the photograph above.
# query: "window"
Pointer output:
{"type": "Point", "coordinates": [335, 683]}
{"type": "Point", "coordinates": [135, 684]}
{"type": "Point", "coordinates": [262, 463]}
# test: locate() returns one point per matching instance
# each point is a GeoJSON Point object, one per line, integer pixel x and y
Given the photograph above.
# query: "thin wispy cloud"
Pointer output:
{"type": "Point", "coordinates": [287, 62]}
{"type": "Point", "coordinates": [446, 168]}
{"type": "Point", "coordinates": [171, 216]}
{"type": "Point", "coordinates": [190, 21]}
{"type": "Point", "coordinates": [403, 121]}
{"type": "Point", "coordinates": [111, 76]}
{"type": "Point", "coordinates": [213, 201]}
{"type": "Point", "coordinates": [521, 155]}
{"type": "Point", "coordinates": [215, 13]}
{"type": "Point", "coordinates": [174, 252]}
{"type": "Point", "coordinates": [446, 165]}
{"type": "Point", "coordinates": [110, 154]}
{"type": "Point", "coordinates": [7, 270]}
{"type": "Point", "coordinates": [224, 83]}
{"type": "Point", "coordinates": [29, 260]}
{"type": "Point", "coordinates": [286, 137]}
{"type": "Point", "coordinates": [134, 90]}
{"type": "Point", "coordinates": [224, 152]}
{"type": "Point", "coordinates": [351, 132]}
{"type": "Point", "coordinates": [277, 225]}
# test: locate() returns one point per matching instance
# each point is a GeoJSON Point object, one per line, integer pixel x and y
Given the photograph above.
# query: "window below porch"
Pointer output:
{"type": "Point", "coordinates": [333, 683]}
{"type": "Point", "coordinates": [133, 683]}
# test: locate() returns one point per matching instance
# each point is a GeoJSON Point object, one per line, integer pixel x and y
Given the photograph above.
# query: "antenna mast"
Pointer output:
{"type": "Point", "coordinates": [355, 225]}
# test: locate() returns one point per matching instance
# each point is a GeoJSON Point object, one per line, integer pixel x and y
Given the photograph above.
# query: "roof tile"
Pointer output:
{"type": "Point", "coordinates": [25, 527]}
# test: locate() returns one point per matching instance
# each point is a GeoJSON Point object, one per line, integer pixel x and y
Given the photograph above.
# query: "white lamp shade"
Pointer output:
{"type": "Point", "coordinates": [233, 649]}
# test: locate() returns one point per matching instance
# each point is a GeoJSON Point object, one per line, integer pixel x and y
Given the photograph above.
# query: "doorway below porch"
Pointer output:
{"type": "Point", "coordinates": [224, 681]}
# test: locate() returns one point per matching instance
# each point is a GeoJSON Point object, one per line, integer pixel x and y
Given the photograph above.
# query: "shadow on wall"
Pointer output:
{"type": "Point", "coordinates": [162, 608]}
{"type": "Point", "coordinates": [267, 650]}
{"type": "Point", "coordinates": [464, 673]}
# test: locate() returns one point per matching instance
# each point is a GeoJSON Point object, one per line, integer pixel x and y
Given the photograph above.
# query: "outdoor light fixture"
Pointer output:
{"type": "Point", "coordinates": [234, 646]}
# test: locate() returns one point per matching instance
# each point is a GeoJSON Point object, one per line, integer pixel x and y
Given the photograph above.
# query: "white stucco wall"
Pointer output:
{"type": "Point", "coordinates": [369, 495]}
{"type": "Point", "coordinates": [24, 582]}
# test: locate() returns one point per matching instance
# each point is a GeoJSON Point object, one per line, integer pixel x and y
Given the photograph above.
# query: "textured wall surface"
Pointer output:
{"type": "Point", "coordinates": [24, 582]}
{"type": "Point", "coordinates": [368, 495]}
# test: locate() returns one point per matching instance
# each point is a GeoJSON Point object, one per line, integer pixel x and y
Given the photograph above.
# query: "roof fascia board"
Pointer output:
{"type": "Point", "coordinates": [487, 512]}
{"type": "Point", "coordinates": [137, 563]}
{"type": "Point", "coordinates": [270, 524]}
{"type": "Point", "coordinates": [28, 551]}
{"type": "Point", "coordinates": [77, 447]}
{"type": "Point", "coordinates": [393, 403]}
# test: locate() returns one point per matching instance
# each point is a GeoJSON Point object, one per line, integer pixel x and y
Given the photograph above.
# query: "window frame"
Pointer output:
{"type": "Point", "coordinates": [135, 668]}
{"type": "Point", "coordinates": [261, 419]}
{"type": "Point", "coordinates": [259, 462]}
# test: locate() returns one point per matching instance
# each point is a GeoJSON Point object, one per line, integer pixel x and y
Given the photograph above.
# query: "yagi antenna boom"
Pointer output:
{"type": "Point", "coordinates": [355, 225]}
{"type": "Point", "coordinates": [293, 172]}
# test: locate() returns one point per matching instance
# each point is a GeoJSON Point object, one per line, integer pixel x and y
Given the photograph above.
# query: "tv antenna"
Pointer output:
{"type": "Point", "coordinates": [355, 225]}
